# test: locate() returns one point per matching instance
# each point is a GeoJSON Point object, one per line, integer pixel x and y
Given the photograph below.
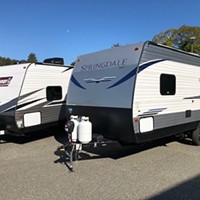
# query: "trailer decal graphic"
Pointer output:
{"type": "Point", "coordinates": [194, 97]}
{"type": "Point", "coordinates": [56, 103]}
{"type": "Point", "coordinates": [9, 105]}
{"type": "Point", "coordinates": [122, 80]}
{"type": "Point", "coordinates": [99, 80]}
{"type": "Point", "coordinates": [104, 65]}
{"type": "Point", "coordinates": [67, 69]}
{"type": "Point", "coordinates": [77, 83]}
{"type": "Point", "coordinates": [153, 111]}
{"type": "Point", "coordinates": [28, 103]}
{"type": "Point", "coordinates": [30, 93]}
{"type": "Point", "coordinates": [147, 64]}
{"type": "Point", "coordinates": [125, 78]}
{"type": "Point", "coordinates": [5, 81]}
{"type": "Point", "coordinates": [134, 71]}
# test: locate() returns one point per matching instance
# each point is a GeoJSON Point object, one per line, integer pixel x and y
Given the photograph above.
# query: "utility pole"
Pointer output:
{"type": "Point", "coordinates": [192, 39]}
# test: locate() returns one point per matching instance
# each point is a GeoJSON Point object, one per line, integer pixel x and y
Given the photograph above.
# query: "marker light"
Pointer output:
{"type": "Point", "coordinates": [137, 48]}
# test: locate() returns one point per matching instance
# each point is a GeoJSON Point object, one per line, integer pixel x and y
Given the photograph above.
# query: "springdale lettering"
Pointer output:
{"type": "Point", "coordinates": [104, 65]}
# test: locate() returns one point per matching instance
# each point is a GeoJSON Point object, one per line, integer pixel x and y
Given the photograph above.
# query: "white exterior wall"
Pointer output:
{"type": "Point", "coordinates": [39, 77]}
{"type": "Point", "coordinates": [112, 65]}
{"type": "Point", "coordinates": [11, 90]}
{"type": "Point", "coordinates": [172, 107]}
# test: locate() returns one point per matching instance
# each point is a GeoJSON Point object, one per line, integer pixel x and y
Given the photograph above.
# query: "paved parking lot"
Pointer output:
{"type": "Point", "coordinates": [33, 169]}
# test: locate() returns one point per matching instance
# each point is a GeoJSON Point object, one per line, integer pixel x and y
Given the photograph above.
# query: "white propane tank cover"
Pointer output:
{"type": "Point", "coordinates": [84, 118]}
{"type": "Point", "coordinates": [85, 130]}
{"type": "Point", "coordinates": [73, 117]}
{"type": "Point", "coordinates": [74, 136]}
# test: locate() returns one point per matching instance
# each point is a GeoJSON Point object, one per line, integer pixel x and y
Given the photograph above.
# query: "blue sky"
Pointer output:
{"type": "Point", "coordinates": [69, 28]}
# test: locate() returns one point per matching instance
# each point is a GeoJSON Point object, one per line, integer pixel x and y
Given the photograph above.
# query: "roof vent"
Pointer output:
{"type": "Point", "coordinates": [58, 61]}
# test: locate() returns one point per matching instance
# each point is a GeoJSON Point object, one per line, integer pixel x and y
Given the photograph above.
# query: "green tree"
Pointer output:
{"type": "Point", "coordinates": [32, 58]}
{"type": "Point", "coordinates": [73, 63]}
{"type": "Point", "coordinates": [7, 61]}
{"type": "Point", "coordinates": [186, 38]}
{"type": "Point", "coordinates": [115, 45]}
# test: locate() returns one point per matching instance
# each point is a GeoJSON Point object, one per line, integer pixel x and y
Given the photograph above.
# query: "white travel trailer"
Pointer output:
{"type": "Point", "coordinates": [32, 96]}
{"type": "Point", "coordinates": [137, 93]}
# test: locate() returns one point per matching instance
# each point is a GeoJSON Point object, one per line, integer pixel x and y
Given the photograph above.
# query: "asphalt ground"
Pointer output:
{"type": "Point", "coordinates": [34, 169]}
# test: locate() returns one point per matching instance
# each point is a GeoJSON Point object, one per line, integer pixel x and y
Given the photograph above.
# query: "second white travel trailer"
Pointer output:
{"type": "Point", "coordinates": [137, 93]}
{"type": "Point", "coordinates": [32, 96]}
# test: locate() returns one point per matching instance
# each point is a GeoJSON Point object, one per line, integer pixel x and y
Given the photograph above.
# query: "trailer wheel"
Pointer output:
{"type": "Point", "coordinates": [196, 136]}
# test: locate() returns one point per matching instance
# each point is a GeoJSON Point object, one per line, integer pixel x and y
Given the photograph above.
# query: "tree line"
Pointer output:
{"type": "Point", "coordinates": [186, 38]}
{"type": "Point", "coordinates": [7, 61]}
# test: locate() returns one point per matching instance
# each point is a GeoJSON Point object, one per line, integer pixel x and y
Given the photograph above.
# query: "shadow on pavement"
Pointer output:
{"type": "Point", "coordinates": [114, 151]}
{"type": "Point", "coordinates": [184, 191]}
{"type": "Point", "coordinates": [33, 136]}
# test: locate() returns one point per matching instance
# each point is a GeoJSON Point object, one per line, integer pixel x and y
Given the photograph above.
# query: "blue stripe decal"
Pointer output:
{"type": "Point", "coordinates": [133, 72]}
{"type": "Point", "coordinates": [125, 78]}
{"type": "Point", "coordinates": [11, 104]}
{"type": "Point", "coordinates": [153, 111]}
{"type": "Point", "coordinates": [194, 97]}
{"type": "Point", "coordinates": [77, 83]}
{"type": "Point", "coordinates": [144, 66]}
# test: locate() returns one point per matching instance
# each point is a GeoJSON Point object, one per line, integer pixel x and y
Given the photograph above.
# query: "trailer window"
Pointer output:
{"type": "Point", "coordinates": [167, 84]}
{"type": "Point", "coordinates": [54, 93]}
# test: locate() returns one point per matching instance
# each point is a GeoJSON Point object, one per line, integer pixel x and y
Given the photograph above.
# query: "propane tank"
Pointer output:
{"type": "Point", "coordinates": [74, 119]}
{"type": "Point", "coordinates": [85, 130]}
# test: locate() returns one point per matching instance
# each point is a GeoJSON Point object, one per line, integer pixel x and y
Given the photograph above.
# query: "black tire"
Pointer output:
{"type": "Point", "coordinates": [196, 136]}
